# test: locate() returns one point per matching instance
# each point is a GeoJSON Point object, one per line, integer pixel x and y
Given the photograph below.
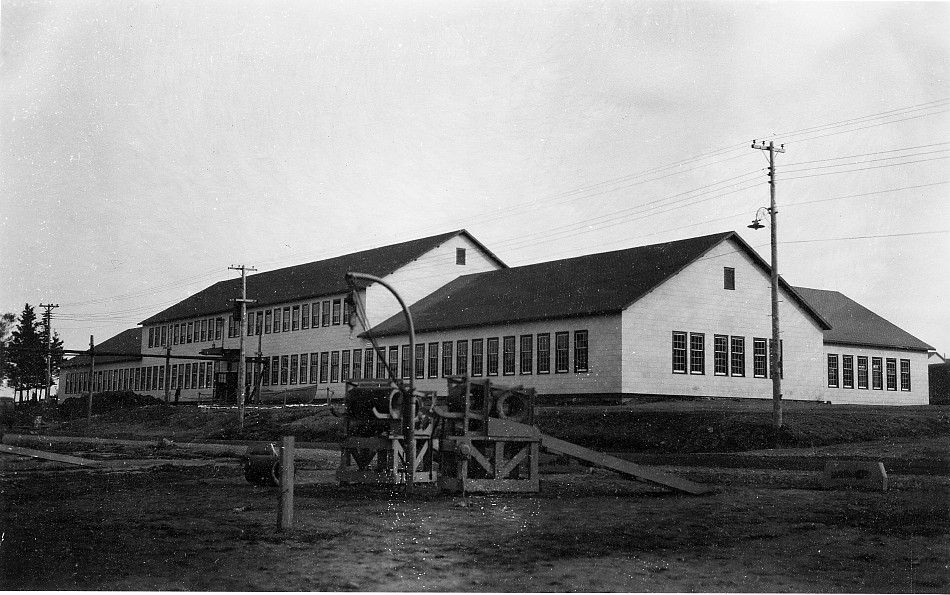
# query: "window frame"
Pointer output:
{"type": "Point", "coordinates": [729, 278]}
{"type": "Point", "coordinates": [562, 350]}
{"type": "Point", "coordinates": [890, 364]}
{"type": "Point", "coordinates": [697, 354]}
{"type": "Point", "coordinates": [285, 322]}
{"type": "Point", "coordinates": [877, 373]}
{"type": "Point", "coordinates": [448, 349]}
{"type": "Point", "coordinates": [680, 352]}
{"type": "Point", "coordinates": [862, 372]}
{"type": "Point", "coordinates": [834, 374]}
{"type": "Point", "coordinates": [526, 359]}
{"type": "Point", "coordinates": [478, 357]}
{"type": "Point", "coordinates": [737, 356]}
{"type": "Point", "coordinates": [508, 355]}
{"type": "Point", "coordinates": [295, 318]}
{"type": "Point", "coordinates": [901, 375]}
{"type": "Point", "coordinates": [720, 355]}
{"type": "Point", "coordinates": [433, 360]}
{"type": "Point", "coordinates": [461, 357]}
{"type": "Point", "coordinates": [492, 359]}
{"type": "Point", "coordinates": [581, 351]}
{"type": "Point", "coordinates": [847, 371]}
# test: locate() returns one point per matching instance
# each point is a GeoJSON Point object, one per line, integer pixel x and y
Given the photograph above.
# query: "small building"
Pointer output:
{"type": "Point", "coordinates": [869, 360]}
{"type": "Point", "coordinates": [122, 370]}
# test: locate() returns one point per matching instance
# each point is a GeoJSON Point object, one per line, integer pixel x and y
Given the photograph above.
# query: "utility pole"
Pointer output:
{"type": "Point", "coordinates": [47, 316]}
{"type": "Point", "coordinates": [92, 373]}
{"type": "Point", "coordinates": [241, 362]}
{"type": "Point", "coordinates": [776, 341]}
{"type": "Point", "coordinates": [168, 357]}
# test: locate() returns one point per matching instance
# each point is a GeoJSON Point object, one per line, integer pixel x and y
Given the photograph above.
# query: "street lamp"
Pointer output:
{"type": "Point", "coordinates": [776, 342]}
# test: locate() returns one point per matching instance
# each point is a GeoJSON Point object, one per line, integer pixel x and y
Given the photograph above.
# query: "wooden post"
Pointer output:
{"type": "Point", "coordinates": [285, 515]}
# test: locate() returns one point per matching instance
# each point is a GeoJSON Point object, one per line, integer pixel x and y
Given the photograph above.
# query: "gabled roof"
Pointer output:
{"type": "Point", "coordinates": [853, 324]}
{"type": "Point", "coordinates": [128, 341]}
{"type": "Point", "coordinates": [581, 286]}
{"type": "Point", "coordinates": [314, 279]}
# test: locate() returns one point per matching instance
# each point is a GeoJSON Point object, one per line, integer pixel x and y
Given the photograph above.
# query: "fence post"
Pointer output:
{"type": "Point", "coordinates": [285, 515]}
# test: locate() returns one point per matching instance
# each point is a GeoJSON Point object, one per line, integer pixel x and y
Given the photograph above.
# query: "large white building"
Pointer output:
{"type": "Point", "coordinates": [684, 318]}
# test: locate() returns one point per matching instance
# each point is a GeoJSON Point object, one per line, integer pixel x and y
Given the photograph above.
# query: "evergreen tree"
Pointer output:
{"type": "Point", "coordinates": [7, 321]}
{"type": "Point", "coordinates": [26, 361]}
{"type": "Point", "coordinates": [56, 354]}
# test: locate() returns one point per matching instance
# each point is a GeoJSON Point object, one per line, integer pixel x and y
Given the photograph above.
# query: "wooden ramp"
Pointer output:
{"type": "Point", "coordinates": [49, 456]}
{"type": "Point", "coordinates": [599, 459]}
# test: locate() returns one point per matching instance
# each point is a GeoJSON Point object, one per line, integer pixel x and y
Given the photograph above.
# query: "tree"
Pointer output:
{"type": "Point", "coordinates": [56, 354]}
{"type": "Point", "coordinates": [26, 360]}
{"type": "Point", "coordinates": [7, 321]}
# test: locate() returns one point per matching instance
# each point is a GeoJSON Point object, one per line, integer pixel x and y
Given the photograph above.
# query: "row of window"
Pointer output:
{"type": "Point", "coordinates": [295, 318]}
{"type": "Point", "coordinates": [144, 378]}
{"type": "Point", "coordinates": [276, 320]}
{"type": "Point", "coordinates": [197, 331]}
{"type": "Point", "coordinates": [729, 355]}
{"type": "Point", "coordinates": [881, 369]}
{"type": "Point", "coordinates": [475, 357]}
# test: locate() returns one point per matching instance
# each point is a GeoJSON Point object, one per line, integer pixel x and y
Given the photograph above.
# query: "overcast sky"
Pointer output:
{"type": "Point", "coordinates": [147, 146]}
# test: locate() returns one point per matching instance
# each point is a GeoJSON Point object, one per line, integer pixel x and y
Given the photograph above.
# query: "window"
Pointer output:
{"type": "Point", "coordinates": [259, 323]}
{"type": "Point", "coordinates": [368, 362]}
{"type": "Point", "coordinates": [832, 370]}
{"type": "Point", "coordinates": [325, 315]}
{"type": "Point", "coordinates": [461, 358]}
{"type": "Point", "coordinates": [760, 364]}
{"type": "Point", "coordinates": [493, 356]}
{"type": "Point", "coordinates": [405, 369]}
{"type": "Point", "coordinates": [433, 360]}
{"type": "Point", "coordinates": [337, 309]}
{"type": "Point", "coordinates": [738, 356]}
{"type": "Point", "coordinates": [305, 316]}
{"type": "Point", "coordinates": [561, 341]}
{"type": "Point", "coordinates": [314, 367]}
{"type": "Point", "coordinates": [544, 353]}
{"type": "Point", "coordinates": [173, 379]}
{"type": "Point", "coordinates": [394, 361]}
{"type": "Point", "coordinates": [446, 358]}
{"type": "Point", "coordinates": [284, 369]}
{"type": "Point", "coordinates": [315, 314]}
{"type": "Point", "coordinates": [345, 364]}
{"type": "Point", "coordinates": [891, 373]}
{"type": "Point", "coordinates": [188, 384]}
{"type": "Point", "coordinates": [508, 355]}
{"type": "Point", "coordinates": [679, 353]}
{"type": "Point", "coordinates": [265, 373]}
{"type": "Point", "coordinates": [218, 328]}
{"type": "Point", "coordinates": [196, 332]}
{"type": "Point", "coordinates": [381, 363]}
{"type": "Point", "coordinates": [905, 374]}
{"type": "Point", "coordinates": [346, 313]}
{"type": "Point", "coordinates": [250, 323]}
{"type": "Point", "coordinates": [294, 362]}
{"type": "Point", "coordinates": [460, 256]}
{"type": "Point", "coordinates": [847, 371]}
{"type": "Point", "coordinates": [357, 364]}
{"type": "Point", "coordinates": [527, 354]}
{"type": "Point", "coordinates": [862, 372]}
{"type": "Point", "coordinates": [285, 323]}
{"type": "Point", "coordinates": [151, 336]}
{"type": "Point", "coordinates": [182, 375]}
{"type": "Point", "coordinates": [295, 318]}
{"type": "Point", "coordinates": [335, 366]}
{"type": "Point", "coordinates": [877, 373]}
{"type": "Point", "coordinates": [277, 320]}
{"type": "Point", "coordinates": [420, 371]}
{"type": "Point", "coordinates": [204, 330]}
{"type": "Point", "coordinates": [148, 378]}
{"type": "Point", "coordinates": [581, 362]}
{"type": "Point", "coordinates": [190, 332]}
{"type": "Point", "coordinates": [720, 355]}
{"type": "Point", "coordinates": [697, 353]}
{"type": "Point", "coordinates": [175, 334]}
{"type": "Point", "coordinates": [161, 378]}
{"type": "Point", "coordinates": [324, 367]}
{"type": "Point", "coordinates": [478, 357]}
{"type": "Point", "coordinates": [728, 278]}
{"type": "Point", "coordinates": [275, 370]}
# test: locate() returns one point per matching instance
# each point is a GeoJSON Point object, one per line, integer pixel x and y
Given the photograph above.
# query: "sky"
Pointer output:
{"type": "Point", "coordinates": [147, 146]}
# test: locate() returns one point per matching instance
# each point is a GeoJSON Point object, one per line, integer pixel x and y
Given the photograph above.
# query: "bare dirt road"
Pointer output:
{"type": "Point", "coordinates": [201, 526]}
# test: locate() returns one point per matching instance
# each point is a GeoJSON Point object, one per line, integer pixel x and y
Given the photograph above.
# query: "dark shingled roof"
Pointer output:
{"type": "Point", "coordinates": [128, 341]}
{"type": "Point", "coordinates": [853, 324]}
{"type": "Point", "coordinates": [324, 277]}
{"type": "Point", "coordinates": [581, 286]}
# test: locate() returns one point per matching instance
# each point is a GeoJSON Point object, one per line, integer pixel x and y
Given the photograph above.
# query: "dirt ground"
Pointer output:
{"type": "Point", "coordinates": [166, 521]}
